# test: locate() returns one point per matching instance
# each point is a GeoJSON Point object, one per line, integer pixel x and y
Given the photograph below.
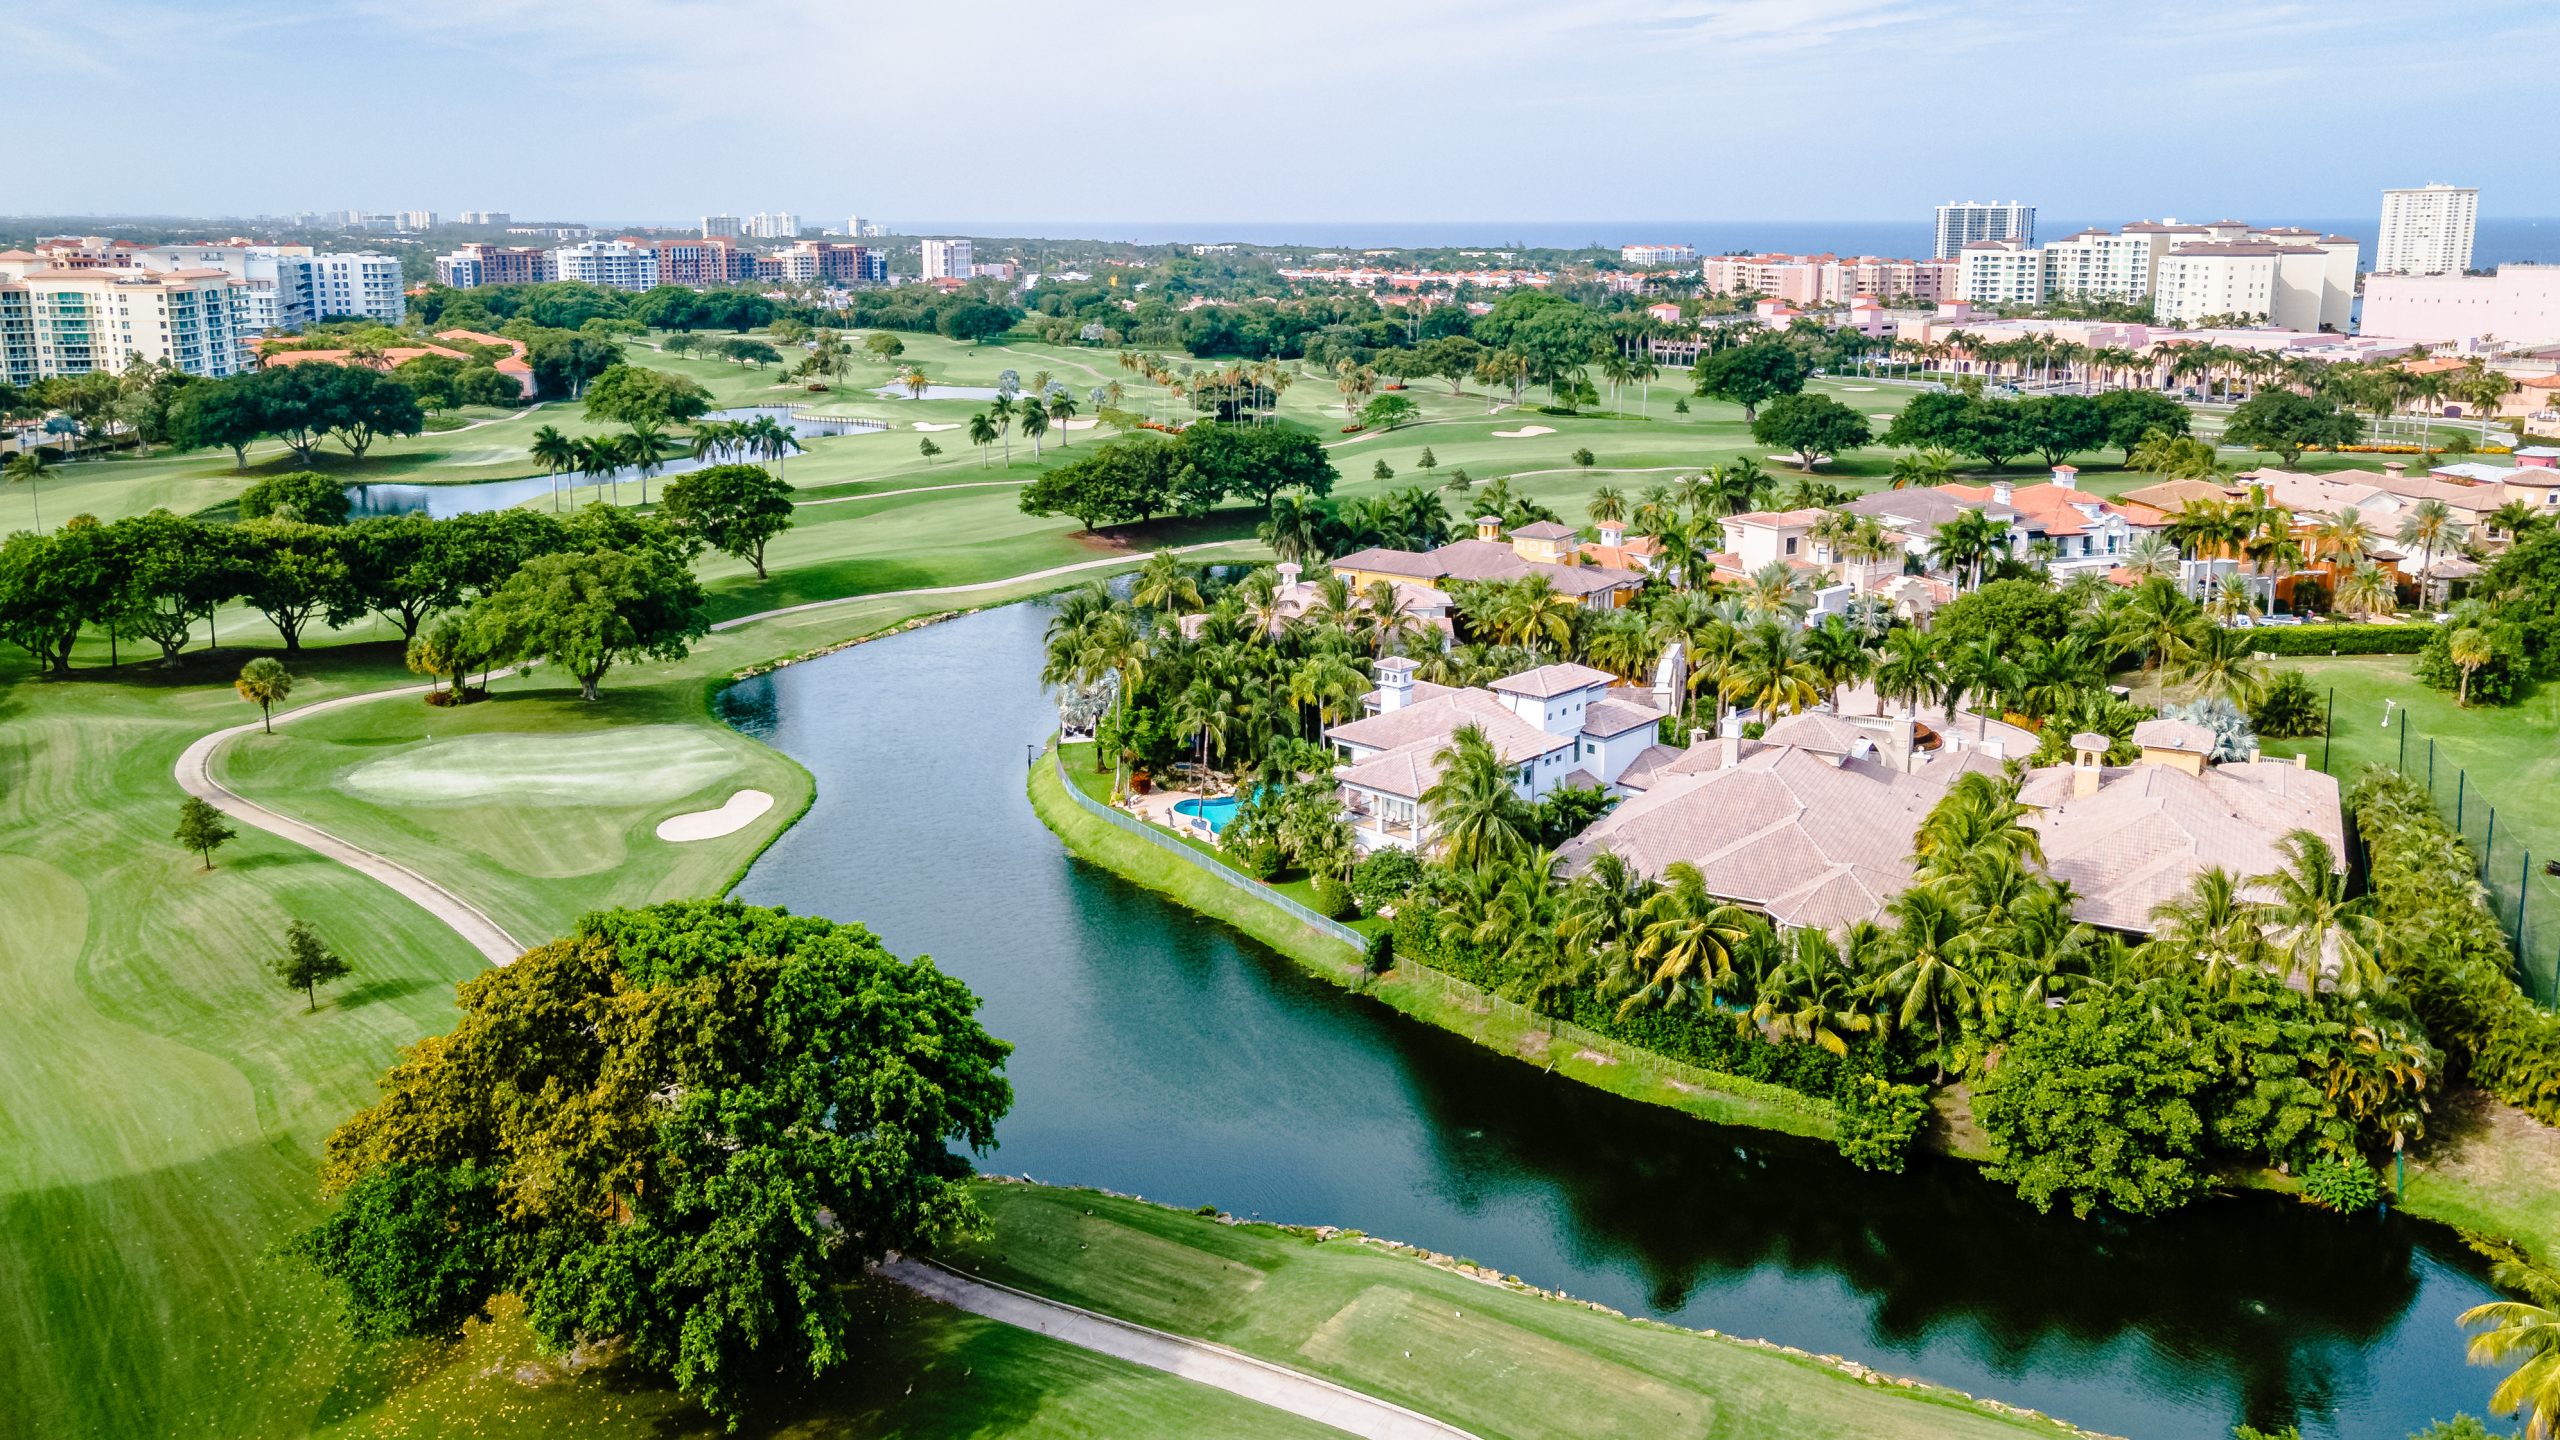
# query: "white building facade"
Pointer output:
{"type": "Point", "coordinates": [1962, 222]}
{"type": "Point", "coordinates": [774, 225]}
{"type": "Point", "coordinates": [360, 284]}
{"type": "Point", "coordinates": [614, 264]}
{"type": "Point", "coordinates": [948, 260]}
{"type": "Point", "coordinates": [2427, 230]}
{"type": "Point", "coordinates": [64, 322]}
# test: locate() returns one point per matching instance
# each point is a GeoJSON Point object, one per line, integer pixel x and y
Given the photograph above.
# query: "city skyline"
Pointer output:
{"type": "Point", "coordinates": [1606, 112]}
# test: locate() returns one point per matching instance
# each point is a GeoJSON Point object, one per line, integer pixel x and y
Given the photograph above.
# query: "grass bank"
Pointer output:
{"type": "Point", "coordinates": [1444, 1337]}
{"type": "Point", "coordinates": [1427, 995]}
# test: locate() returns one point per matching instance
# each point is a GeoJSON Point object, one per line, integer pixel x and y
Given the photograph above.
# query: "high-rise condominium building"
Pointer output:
{"type": "Point", "coordinates": [60, 316]}
{"type": "Point", "coordinates": [948, 260]}
{"type": "Point", "coordinates": [719, 227]}
{"type": "Point", "coordinates": [358, 283]}
{"type": "Point", "coordinates": [471, 266]}
{"type": "Point", "coordinates": [1961, 222]}
{"type": "Point", "coordinates": [859, 229]}
{"type": "Point", "coordinates": [417, 219]}
{"type": "Point", "coordinates": [483, 217]}
{"type": "Point", "coordinates": [779, 225]}
{"type": "Point", "coordinates": [2427, 230]}
{"type": "Point", "coordinates": [615, 264]}
{"type": "Point", "coordinates": [2291, 278]}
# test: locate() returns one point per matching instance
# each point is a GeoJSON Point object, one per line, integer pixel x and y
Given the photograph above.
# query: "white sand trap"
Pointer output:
{"type": "Point", "coordinates": [1524, 432]}
{"type": "Point", "coordinates": [929, 425]}
{"type": "Point", "coordinates": [1859, 389]}
{"type": "Point", "coordinates": [634, 765]}
{"type": "Point", "coordinates": [1882, 414]}
{"type": "Point", "coordinates": [741, 811]}
{"type": "Point", "coordinates": [1083, 424]}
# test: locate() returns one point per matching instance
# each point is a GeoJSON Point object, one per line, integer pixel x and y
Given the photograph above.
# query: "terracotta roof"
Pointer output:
{"type": "Point", "coordinates": [2170, 733]}
{"type": "Point", "coordinates": [2150, 830]}
{"type": "Point", "coordinates": [2175, 495]}
{"type": "Point", "coordinates": [1546, 530]}
{"type": "Point", "coordinates": [1775, 517]}
{"type": "Point", "coordinates": [1432, 721]}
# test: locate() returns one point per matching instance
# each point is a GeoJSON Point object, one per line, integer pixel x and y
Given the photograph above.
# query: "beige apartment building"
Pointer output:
{"type": "Point", "coordinates": [66, 321]}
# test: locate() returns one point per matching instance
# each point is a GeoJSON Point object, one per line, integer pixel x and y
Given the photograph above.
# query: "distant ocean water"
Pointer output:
{"type": "Point", "coordinates": [2499, 240]}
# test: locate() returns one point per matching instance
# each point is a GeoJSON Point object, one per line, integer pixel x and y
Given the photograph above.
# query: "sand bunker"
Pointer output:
{"type": "Point", "coordinates": [1524, 432]}
{"type": "Point", "coordinates": [1859, 389]}
{"type": "Point", "coordinates": [638, 765]}
{"type": "Point", "coordinates": [929, 425]}
{"type": "Point", "coordinates": [741, 811]}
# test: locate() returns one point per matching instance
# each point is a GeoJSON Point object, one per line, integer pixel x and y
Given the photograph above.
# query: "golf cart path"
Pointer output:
{"type": "Point", "coordinates": [195, 776]}
{"type": "Point", "coordinates": [1198, 1361]}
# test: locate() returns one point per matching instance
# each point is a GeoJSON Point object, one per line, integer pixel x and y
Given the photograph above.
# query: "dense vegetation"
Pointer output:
{"type": "Point", "coordinates": [686, 1127]}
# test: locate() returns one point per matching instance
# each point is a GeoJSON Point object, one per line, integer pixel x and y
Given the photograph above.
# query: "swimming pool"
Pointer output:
{"type": "Point", "coordinates": [1213, 813]}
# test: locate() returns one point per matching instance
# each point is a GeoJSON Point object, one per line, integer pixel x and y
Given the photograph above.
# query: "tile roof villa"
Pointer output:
{"type": "Point", "coordinates": [1559, 724]}
{"type": "Point", "coordinates": [1813, 823]}
{"type": "Point", "coordinates": [2088, 531]}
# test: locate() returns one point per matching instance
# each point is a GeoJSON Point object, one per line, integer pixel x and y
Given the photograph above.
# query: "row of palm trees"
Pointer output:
{"type": "Point", "coordinates": [641, 449]}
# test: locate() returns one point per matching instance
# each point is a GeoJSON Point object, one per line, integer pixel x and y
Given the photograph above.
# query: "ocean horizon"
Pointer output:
{"type": "Point", "coordinates": [2499, 240]}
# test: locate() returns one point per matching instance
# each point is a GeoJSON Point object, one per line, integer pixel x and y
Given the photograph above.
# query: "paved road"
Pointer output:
{"type": "Point", "coordinates": [1197, 1360]}
{"type": "Point", "coordinates": [195, 776]}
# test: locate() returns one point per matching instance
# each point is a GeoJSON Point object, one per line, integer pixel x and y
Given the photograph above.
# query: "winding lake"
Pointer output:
{"type": "Point", "coordinates": [1161, 1054]}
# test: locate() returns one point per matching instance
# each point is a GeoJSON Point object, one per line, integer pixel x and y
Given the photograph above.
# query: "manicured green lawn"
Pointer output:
{"type": "Point", "coordinates": [1497, 1361]}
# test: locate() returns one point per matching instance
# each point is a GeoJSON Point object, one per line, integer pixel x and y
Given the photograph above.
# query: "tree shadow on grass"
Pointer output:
{"type": "Point", "coordinates": [375, 992]}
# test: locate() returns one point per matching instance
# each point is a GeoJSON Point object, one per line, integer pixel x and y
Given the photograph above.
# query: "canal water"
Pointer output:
{"type": "Point", "coordinates": [1159, 1053]}
{"type": "Point", "coordinates": [445, 501]}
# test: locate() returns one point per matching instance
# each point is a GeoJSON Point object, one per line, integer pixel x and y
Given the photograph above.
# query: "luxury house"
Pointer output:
{"type": "Point", "coordinates": [1556, 725]}
{"type": "Point", "coordinates": [1546, 548]}
{"type": "Point", "coordinates": [1295, 598]}
{"type": "Point", "coordinates": [2087, 532]}
{"type": "Point", "coordinates": [1812, 824]}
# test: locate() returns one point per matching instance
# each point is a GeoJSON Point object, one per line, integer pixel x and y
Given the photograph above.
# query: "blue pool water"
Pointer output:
{"type": "Point", "coordinates": [1215, 813]}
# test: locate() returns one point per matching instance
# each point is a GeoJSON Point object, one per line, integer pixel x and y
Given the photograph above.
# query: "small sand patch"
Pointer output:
{"type": "Point", "coordinates": [1859, 389]}
{"type": "Point", "coordinates": [929, 425]}
{"type": "Point", "coordinates": [1882, 414]}
{"type": "Point", "coordinates": [1524, 432]}
{"type": "Point", "coordinates": [1594, 1057]}
{"type": "Point", "coordinates": [743, 810]}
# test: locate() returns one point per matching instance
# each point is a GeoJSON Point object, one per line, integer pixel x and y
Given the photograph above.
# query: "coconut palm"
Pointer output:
{"type": "Point", "coordinates": [2151, 554]}
{"type": "Point", "coordinates": [2217, 663]}
{"type": "Point", "coordinates": [2155, 622]}
{"type": "Point", "coordinates": [1533, 614]}
{"type": "Point", "coordinates": [1165, 583]}
{"type": "Point", "coordinates": [1967, 542]}
{"type": "Point", "coordinates": [2312, 925]}
{"type": "Point", "coordinates": [1477, 816]}
{"type": "Point", "coordinates": [914, 381]}
{"type": "Point", "coordinates": [1297, 528]}
{"type": "Point", "coordinates": [599, 458]}
{"type": "Point", "coordinates": [28, 468]}
{"type": "Point", "coordinates": [2431, 528]}
{"type": "Point", "coordinates": [1602, 917]}
{"type": "Point", "coordinates": [2208, 925]}
{"type": "Point", "coordinates": [554, 452]}
{"type": "Point", "coordinates": [1769, 672]}
{"type": "Point", "coordinates": [2527, 1333]}
{"type": "Point", "coordinates": [2339, 539]}
{"type": "Point", "coordinates": [1931, 979]}
{"type": "Point", "coordinates": [642, 447]}
{"type": "Point", "coordinates": [1062, 408]}
{"type": "Point", "coordinates": [1777, 591]}
{"type": "Point", "coordinates": [982, 433]}
{"type": "Point", "coordinates": [1687, 940]}
{"type": "Point", "coordinates": [1838, 656]}
{"type": "Point", "coordinates": [1908, 670]}
{"type": "Point", "coordinates": [1815, 997]}
{"type": "Point", "coordinates": [1608, 506]}
{"type": "Point", "coordinates": [1035, 423]}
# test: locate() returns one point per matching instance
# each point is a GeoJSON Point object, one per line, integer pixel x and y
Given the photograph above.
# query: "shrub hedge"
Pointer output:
{"type": "Point", "coordinates": [2406, 639]}
{"type": "Point", "coordinates": [2447, 951]}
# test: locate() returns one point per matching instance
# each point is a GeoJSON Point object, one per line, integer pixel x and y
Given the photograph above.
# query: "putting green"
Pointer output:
{"type": "Point", "coordinates": [642, 765]}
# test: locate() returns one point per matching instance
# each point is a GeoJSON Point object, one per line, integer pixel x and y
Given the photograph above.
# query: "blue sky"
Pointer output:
{"type": "Point", "coordinates": [1455, 110]}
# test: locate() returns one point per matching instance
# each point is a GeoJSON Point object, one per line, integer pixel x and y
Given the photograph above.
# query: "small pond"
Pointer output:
{"type": "Point", "coordinates": [475, 497]}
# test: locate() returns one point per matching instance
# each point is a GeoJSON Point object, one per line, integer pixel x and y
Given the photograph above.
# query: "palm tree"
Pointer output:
{"type": "Point", "coordinates": [2218, 663]}
{"type": "Point", "coordinates": [1908, 671]}
{"type": "Point", "coordinates": [2310, 920]}
{"type": "Point", "coordinates": [2367, 590]}
{"type": "Point", "coordinates": [1688, 938]}
{"type": "Point", "coordinates": [1297, 528]}
{"type": "Point", "coordinates": [1815, 997]}
{"type": "Point", "coordinates": [2210, 925]}
{"type": "Point", "coordinates": [1608, 506]}
{"type": "Point", "coordinates": [1769, 672]}
{"type": "Point", "coordinates": [2430, 527]}
{"type": "Point", "coordinates": [2469, 649]}
{"type": "Point", "coordinates": [914, 381]}
{"type": "Point", "coordinates": [27, 468]}
{"type": "Point", "coordinates": [1535, 615]}
{"type": "Point", "coordinates": [772, 440]}
{"type": "Point", "coordinates": [1001, 411]}
{"type": "Point", "coordinates": [2530, 1329]}
{"type": "Point", "coordinates": [1602, 916]}
{"type": "Point", "coordinates": [1929, 934]}
{"type": "Point", "coordinates": [982, 433]}
{"type": "Point", "coordinates": [1836, 655]}
{"type": "Point", "coordinates": [554, 452]}
{"type": "Point", "coordinates": [600, 458]}
{"type": "Point", "coordinates": [1967, 542]}
{"type": "Point", "coordinates": [2339, 539]}
{"type": "Point", "coordinates": [1477, 816]}
{"type": "Point", "coordinates": [1035, 423]}
{"type": "Point", "coordinates": [1062, 408]}
{"type": "Point", "coordinates": [2151, 554]}
{"type": "Point", "coordinates": [1777, 591]}
{"type": "Point", "coordinates": [641, 445]}
{"type": "Point", "coordinates": [2156, 623]}
{"type": "Point", "coordinates": [1165, 583]}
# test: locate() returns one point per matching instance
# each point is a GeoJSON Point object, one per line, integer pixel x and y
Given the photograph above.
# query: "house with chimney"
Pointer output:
{"type": "Point", "coordinates": [1555, 726]}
